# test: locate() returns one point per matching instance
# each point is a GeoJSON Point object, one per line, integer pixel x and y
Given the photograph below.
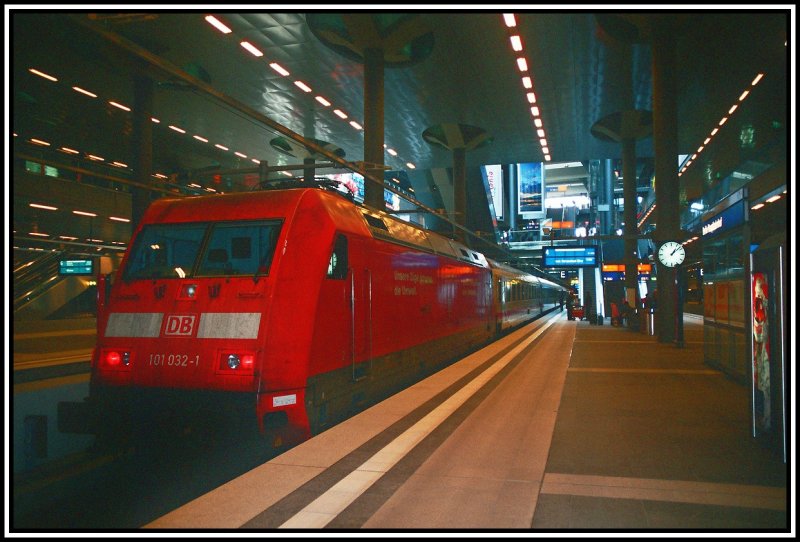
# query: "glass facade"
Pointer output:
{"type": "Point", "coordinates": [724, 313]}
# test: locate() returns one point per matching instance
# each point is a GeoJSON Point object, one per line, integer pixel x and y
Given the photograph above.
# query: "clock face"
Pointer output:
{"type": "Point", "coordinates": [671, 254]}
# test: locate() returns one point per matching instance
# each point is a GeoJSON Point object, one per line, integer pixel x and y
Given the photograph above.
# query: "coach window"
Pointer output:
{"type": "Point", "coordinates": [337, 265]}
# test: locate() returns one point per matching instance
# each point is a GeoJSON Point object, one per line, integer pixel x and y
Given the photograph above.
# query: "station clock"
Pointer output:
{"type": "Point", "coordinates": [671, 253]}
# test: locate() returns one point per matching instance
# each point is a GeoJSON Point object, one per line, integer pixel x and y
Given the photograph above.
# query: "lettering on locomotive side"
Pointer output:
{"type": "Point", "coordinates": [404, 290]}
{"type": "Point", "coordinates": [413, 278]}
{"type": "Point", "coordinates": [179, 325]}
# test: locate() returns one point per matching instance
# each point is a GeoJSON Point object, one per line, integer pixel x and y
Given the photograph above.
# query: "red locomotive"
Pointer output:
{"type": "Point", "coordinates": [290, 310]}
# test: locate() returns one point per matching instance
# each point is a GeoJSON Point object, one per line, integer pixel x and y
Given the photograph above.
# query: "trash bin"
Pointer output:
{"type": "Point", "coordinates": [599, 319]}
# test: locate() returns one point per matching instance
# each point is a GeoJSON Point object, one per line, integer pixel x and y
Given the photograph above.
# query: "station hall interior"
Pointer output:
{"type": "Point", "coordinates": [520, 134]}
{"type": "Point", "coordinates": [458, 117]}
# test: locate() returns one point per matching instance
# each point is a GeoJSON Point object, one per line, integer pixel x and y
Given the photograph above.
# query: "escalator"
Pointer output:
{"type": "Point", "coordinates": [41, 293]}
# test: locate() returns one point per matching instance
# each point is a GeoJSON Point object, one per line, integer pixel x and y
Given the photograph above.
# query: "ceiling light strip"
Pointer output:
{"type": "Point", "coordinates": [516, 42]}
{"type": "Point", "coordinates": [515, 39]}
{"type": "Point", "coordinates": [219, 25]}
{"type": "Point", "coordinates": [721, 122]}
{"type": "Point", "coordinates": [112, 103]}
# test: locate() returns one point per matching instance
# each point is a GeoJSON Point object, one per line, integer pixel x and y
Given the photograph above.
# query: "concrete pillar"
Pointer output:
{"type": "Point", "coordinates": [631, 259]}
{"type": "Point", "coordinates": [458, 138]}
{"type": "Point", "coordinates": [608, 198]}
{"type": "Point", "coordinates": [308, 172]}
{"type": "Point", "coordinates": [460, 188]}
{"type": "Point", "coordinates": [373, 125]}
{"type": "Point", "coordinates": [666, 172]}
{"type": "Point", "coordinates": [512, 196]}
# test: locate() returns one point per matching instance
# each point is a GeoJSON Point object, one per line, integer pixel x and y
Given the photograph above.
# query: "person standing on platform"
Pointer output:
{"type": "Point", "coordinates": [588, 306]}
{"type": "Point", "coordinates": [625, 313]}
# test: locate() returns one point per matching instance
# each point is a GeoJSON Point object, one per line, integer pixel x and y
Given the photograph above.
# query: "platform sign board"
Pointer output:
{"type": "Point", "coordinates": [530, 190]}
{"type": "Point", "coordinates": [585, 256]}
{"type": "Point", "coordinates": [732, 217]}
{"type": "Point", "coordinates": [76, 267]}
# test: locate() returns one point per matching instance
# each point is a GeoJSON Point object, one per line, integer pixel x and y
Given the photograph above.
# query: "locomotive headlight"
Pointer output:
{"type": "Point", "coordinates": [234, 362]}
{"type": "Point", "coordinates": [188, 291]}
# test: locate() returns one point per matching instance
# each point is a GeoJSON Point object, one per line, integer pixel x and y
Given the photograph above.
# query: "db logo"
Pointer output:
{"type": "Point", "coordinates": [179, 325]}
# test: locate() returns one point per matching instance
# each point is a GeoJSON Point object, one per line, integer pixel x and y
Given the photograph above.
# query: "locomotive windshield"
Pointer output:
{"type": "Point", "coordinates": [203, 249]}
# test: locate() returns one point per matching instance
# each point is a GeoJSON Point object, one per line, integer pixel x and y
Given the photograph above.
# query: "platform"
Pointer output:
{"type": "Point", "coordinates": [580, 427]}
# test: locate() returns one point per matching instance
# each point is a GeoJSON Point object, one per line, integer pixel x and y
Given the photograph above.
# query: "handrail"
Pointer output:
{"type": "Point", "coordinates": [36, 284]}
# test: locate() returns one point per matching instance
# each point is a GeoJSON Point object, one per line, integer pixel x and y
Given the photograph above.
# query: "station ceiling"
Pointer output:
{"type": "Point", "coordinates": [469, 76]}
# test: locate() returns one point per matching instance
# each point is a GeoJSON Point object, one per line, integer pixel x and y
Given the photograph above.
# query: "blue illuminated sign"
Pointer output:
{"type": "Point", "coordinates": [75, 267]}
{"type": "Point", "coordinates": [570, 256]}
{"type": "Point", "coordinates": [730, 218]}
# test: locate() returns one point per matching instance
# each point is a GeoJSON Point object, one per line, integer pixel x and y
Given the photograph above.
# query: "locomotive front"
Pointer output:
{"type": "Point", "coordinates": [181, 332]}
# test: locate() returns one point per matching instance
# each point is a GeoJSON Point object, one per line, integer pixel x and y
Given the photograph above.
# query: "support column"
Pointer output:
{"type": "Point", "coordinates": [458, 138]}
{"type": "Point", "coordinates": [310, 157]}
{"type": "Point", "coordinates": [512, 196]}
{"type": "Point", "coordinates": [631, 259]}
{"type": "Point", "coordinates": [608, 198]}
{"type": "Point", "coordinates": [460, 189]}
{"type": "Point", "coordinates": [379, 41]}
{"type": "Point", "coordinates": [373, 125]}
{"type": "Point", "coordinates": [308, 172]}
{"type": "Point", "coordinates": [666, 172]}
{"type": "Point", "coordinates": [660, 30]}
{"type": "Point", "coordinates": [141, 145]}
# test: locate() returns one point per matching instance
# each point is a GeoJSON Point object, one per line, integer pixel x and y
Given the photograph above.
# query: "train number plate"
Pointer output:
{"type": "Point", "coordinates": [174, 360]}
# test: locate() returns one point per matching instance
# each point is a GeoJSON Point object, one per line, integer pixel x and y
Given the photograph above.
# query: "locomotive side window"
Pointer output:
{"type": "Point", "coordinates": [337, 265]}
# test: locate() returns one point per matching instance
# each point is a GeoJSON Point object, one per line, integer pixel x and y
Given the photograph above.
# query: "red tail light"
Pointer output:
{"type": "Point", "coordinates": [115, 359]}
{"type": "Point", "coordinates": [248, 360]}
{"type": "Point", "coordinates": [233, 362]}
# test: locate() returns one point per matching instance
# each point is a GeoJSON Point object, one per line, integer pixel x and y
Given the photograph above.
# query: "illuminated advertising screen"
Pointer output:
{"type": "Point", "coordinates": [570, 256]}
{"type": "Point", "coordinates": [530, 189]}
{"type": "Point", "coordinates": [352, 181]}
{"type": "Point", "coordinates": [391, 200]}
{"type": "Point", "coordinates": [493, 179]}
{"type": "Point", "coordinates": [762, 416]}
